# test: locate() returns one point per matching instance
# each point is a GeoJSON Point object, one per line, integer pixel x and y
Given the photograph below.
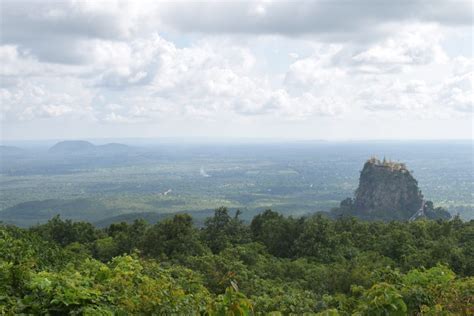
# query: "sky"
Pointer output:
{"type": "Point", "coordinates": [333, 70]}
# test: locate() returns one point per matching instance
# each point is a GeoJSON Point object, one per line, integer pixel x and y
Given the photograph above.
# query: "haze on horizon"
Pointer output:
{"type": "Point", "coordinates": [327, 70]}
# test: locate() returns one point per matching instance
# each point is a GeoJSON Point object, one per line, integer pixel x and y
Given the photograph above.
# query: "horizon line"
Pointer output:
{"type": "Point", "coordinates": [234, 139]}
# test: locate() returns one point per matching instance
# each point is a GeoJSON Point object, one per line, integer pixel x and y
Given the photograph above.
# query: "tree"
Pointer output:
{"type": "Point", "coordinates": [318, 239]}
{"type": "Point", "coordinates": [382, 299]}
{"type": "Point", "coordinates": [222, 230]}
{"type": "Point", "coordinates": [66, 232]}
{"type": "Point", "coordinates": [276, 232]}
{"type": "Point", "coordinates": [173, 238]}
{"type": "Point", "coordinates": [231, 303]}
{"type": "Point", "coordinates": [128, 237]}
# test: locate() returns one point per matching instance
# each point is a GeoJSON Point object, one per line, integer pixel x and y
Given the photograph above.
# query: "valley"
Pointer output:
{"type": "Point", "coordinates": [292, 178]}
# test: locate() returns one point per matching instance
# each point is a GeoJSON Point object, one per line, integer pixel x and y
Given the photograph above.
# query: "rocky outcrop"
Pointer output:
{"type": "Point", "coordinates": [387, 187]}
{"type": "Point", "coordinates": [387, 190]}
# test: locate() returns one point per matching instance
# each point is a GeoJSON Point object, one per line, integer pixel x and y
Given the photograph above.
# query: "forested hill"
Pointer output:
{"type": "Point", "coordinates": [278, 264]}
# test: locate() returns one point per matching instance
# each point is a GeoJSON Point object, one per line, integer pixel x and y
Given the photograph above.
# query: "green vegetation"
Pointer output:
{"type": "Point", "coordinates": [294, 179]}
{"type": "Point", "coordinates": [276, 265]}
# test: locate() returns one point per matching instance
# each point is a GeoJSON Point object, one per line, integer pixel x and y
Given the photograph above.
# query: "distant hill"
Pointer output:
{"type": "Point", "coordinates": [388, 191]}
{"type": "Point", "coordinates": [33, 212]}
{"type": "Point", "coordinates": [84, 147]}
{"type": "Point", "coordinates": [83, 209]}
{"type": "Point", "coordinates": [72, 146]}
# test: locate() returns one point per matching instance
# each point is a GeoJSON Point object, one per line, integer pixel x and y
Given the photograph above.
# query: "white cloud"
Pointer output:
{"type": "Point", "coordinates": [343, 20]}
{"type": "Point", "coordinates": [121, 64]}
{"type": "Point", "coordinates": [457, 93]}
{"type": "Point", "coordinates": [30, 99]}
{"type": "Point", "coordinates": [415, 45]}
{"type": "Point", "coordinates": [462, 65]}
{"type": "Point", "coordinates": [315, 72]}
{"type": "Point", "coordinates": [55, 31]}
{"type": "Point", "coordinates": [451, 96]}
{"type": "Point", "coordinates": [395, 95]}
{"type": "Point", "coordinates": [15, 63]}
{"type": "Point", "coordinates": [124, 62]}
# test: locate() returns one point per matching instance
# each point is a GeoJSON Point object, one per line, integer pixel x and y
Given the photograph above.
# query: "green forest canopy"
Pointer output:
{"type": "Point", "coordinates": [276, 264]}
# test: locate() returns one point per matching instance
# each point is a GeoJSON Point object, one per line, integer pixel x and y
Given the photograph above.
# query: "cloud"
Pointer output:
{"type": "Point", "coordinates": [452, 96]}
{"type": "Point", "coordinates": [281, 104]}
{"type": "Point", "coordinates": [58, 31]}
{"type": "Point", "coordinates": [31, 99]}
{"type": "Point", "coordinates": [462, 65]}
{"type": "Point", "coordinates": [145, 80]}
{"type": "Point", "coordinates": [414, 45]}
{"type": "Point", "coordinates": [121, 64]}
{"type": "Point", "coordinates": [136, 62]}
{"type": "Point", "coordinates": [395, 95]}
{"type": "Point", "coordinates": [341, 20]}
{"type": "Point", "coordinates": [315, 72]}
{"type": "Point", "coordinates": [13, 63]}
{"type": "Point", "coordinates": [456, 93]}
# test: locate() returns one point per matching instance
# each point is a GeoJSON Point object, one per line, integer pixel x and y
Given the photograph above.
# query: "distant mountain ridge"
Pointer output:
{"type": "Point", "coordinates": [82, 146]}
{"type": "Point", "coordinates": [71, 146]}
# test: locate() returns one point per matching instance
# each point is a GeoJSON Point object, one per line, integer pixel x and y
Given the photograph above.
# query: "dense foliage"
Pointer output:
{"type": "Point", "coordinates": [277, 264]}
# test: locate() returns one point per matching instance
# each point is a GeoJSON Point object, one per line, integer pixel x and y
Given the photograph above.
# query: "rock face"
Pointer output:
{"type": "Point", "coordinates": [387, 187]}
{"type": "Point", "coordinates": [388, 191]}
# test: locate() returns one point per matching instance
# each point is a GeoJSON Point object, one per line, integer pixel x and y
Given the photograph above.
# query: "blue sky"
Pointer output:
{"type": "Point", "coordinates": [236, 69]}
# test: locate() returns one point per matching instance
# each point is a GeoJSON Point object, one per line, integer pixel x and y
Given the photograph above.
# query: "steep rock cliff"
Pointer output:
{"type": "Point", "coordinates": [388, 191]}
{"type": "Point", "coordinates": [388, 187]}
